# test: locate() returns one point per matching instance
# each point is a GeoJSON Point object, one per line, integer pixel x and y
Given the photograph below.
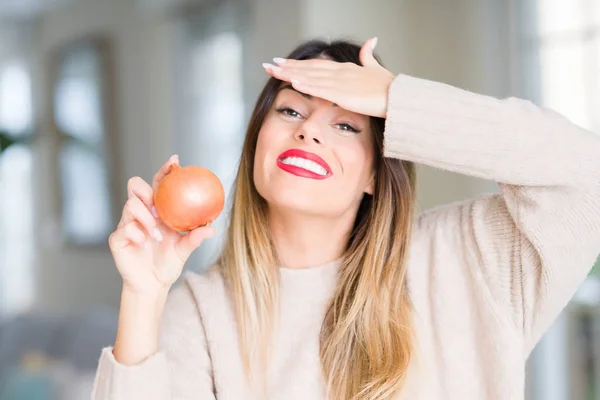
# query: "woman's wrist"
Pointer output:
{"type": "Point", "coordinates": [156, 296]}
{"type": "Point", "coordinates": [139, 322]}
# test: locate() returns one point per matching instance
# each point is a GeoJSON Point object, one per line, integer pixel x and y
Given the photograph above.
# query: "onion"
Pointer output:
{"type": "Point", "coordinates": [188, 198]}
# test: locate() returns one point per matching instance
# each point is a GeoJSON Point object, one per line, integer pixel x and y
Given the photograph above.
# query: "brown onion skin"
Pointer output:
{"type": "Point", "coordinates": [189, 197]}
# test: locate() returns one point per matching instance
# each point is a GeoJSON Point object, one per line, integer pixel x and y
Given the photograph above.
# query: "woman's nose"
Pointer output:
{"type": "Point", "coordinates": [309, 134]}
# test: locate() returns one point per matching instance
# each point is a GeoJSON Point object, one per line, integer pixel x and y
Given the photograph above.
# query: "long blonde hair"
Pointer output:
{"type": "Point", "coordinates": [365, 342]}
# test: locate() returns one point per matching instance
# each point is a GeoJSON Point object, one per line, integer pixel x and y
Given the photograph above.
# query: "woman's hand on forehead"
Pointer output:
{"type": "Point", "coordinates": [360, 89]}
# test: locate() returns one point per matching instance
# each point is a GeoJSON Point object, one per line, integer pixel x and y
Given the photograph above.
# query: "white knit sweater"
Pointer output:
{"type": "Point", "coordinates": [487, 276]}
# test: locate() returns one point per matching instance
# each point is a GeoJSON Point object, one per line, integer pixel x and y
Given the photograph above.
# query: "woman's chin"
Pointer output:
{"type": "Point", "coordinates": [293, 193]}
{"type": "Point", "coordinates": [303, 202]}
{"type": "Point", "coordinates": [291, 200]}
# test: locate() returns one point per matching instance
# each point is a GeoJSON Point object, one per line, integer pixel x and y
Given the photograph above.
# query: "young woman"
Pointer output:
{"type": "Point", "coordinates": [326, 287]}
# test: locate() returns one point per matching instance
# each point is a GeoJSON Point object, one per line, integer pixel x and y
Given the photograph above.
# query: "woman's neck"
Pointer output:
{"type": "Point", "coordinates": [304, 241]}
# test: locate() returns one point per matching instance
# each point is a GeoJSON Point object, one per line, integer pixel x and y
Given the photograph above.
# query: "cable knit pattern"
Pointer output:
{"type": "Point", "coordinates": [486, 276]}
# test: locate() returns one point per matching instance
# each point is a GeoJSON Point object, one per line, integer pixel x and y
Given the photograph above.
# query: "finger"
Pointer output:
{"type": "Point", "coordinates": [366, 53]}
{"type": "Point", "coordinates": [133, 233]}
{"type": "Point", "coordinates": [125, 235]}
{"type": "Point", "coordinates": [286, 73]}
{"type": "Point", "coordinates": [319, 86]}
{"type": "Point", "coordinates": [324, 82]}
{"type": "Point", "coordinates": [137, 187]}
{"type": "Point", "coordinates": [316, 73]}
{"type": "Point", "coordinates": [311, 63]}
{"type": "Point", "coordinates": [135, 210]}
{"type": "Point", "coordinates": [321, 90]}
{"type": "Point", "coordinates": [164, 170]}
{"type": "Point", "coordinates": [275, 72]}
{"type": "Point", "coordinates": [190, 242]}
{"type": "Point", "coordinates": [316, 65]}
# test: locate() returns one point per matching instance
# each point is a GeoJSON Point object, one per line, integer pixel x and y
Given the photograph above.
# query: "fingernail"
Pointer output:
{"type": "Point", "coordinates": [174, 157]}
{"type": "Point", "coordinates": [154, 212]}
{"type": "Point", "coordinates": [373, 43]}
{"type": "Point", "coordinates": [271, 67]}
{"type": "Point", "coordinates": [278, 60]}
{"type": "Point", "coordinates": [157, 235]}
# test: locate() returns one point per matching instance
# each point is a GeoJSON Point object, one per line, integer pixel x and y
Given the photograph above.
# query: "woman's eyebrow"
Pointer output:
{"type": "Point", "coordinates": [307, 96]}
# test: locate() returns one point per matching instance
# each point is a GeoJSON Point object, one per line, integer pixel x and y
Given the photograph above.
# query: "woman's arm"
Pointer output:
{"type": "Point", "coordinates": [538, 239]}
{"type": "Point", "coordinates": [534, 243]}
{"type": "Point", "coordinates": [180, 370]}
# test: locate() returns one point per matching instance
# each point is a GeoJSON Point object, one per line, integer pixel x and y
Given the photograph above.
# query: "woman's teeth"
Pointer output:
{"type": "Point", "coordinates": [306, 164]}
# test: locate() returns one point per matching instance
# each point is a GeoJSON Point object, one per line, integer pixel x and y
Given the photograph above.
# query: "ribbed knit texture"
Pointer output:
{"type": "Point", "coordinates": [486, 277]}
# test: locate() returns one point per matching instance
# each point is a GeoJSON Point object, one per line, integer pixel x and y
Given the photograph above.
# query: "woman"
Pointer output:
{"type": "Point", "coordinates": [321, 291]}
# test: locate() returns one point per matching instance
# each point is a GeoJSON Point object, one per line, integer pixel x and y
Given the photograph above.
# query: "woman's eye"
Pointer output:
{"type": "Point", "coordinates": [289, 112]}
{"type": "Point", "coordinates": [348, 128]}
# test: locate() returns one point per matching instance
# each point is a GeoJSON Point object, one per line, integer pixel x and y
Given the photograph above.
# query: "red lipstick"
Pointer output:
{"type": "Point", "coordinates": [302, 172]}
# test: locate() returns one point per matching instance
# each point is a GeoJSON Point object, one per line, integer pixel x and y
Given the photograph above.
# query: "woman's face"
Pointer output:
{"type": "Point", "coordinates": [313, 156]}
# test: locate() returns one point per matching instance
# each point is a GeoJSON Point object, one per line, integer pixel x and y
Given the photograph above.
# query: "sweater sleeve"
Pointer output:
{"type": "Point", "coordinates": [181, 370]}
{"type": "Point", "coordinates": [537, 240]}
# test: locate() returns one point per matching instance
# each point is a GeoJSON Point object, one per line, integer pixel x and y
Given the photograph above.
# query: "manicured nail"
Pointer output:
{"type": "Point", "coordinates": [153, 211]}
{"type": "Point", "coordinates": [271, 67]}
{"type": "Point", "coordinates": [278, 60]}
{"type": "Point", "coordinates": [373, 43]}
{"type": "Point", "coordinates": [157, 235]}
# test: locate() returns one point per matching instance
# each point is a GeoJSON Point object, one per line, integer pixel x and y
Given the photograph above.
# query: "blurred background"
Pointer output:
{"type": "Point", "coordinates": [93, 92]}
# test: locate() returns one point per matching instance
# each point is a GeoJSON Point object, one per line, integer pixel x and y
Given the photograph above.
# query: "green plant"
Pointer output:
{"type": "Point", "coordinates": [6, 141]}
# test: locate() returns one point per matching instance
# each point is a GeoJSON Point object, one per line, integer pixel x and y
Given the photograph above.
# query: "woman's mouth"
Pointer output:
{"type": "Point", "coordinates": [303, 164]}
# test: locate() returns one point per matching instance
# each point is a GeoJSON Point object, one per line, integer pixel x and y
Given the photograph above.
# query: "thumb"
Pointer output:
{"type": "Point", "coordinates": [366, 53]}
{"type": "Point", "coordinates": [190, 242]}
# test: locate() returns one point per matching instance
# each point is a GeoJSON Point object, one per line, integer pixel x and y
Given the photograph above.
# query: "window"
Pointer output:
{"type": "Point", "coordinates": [569, 52]}
{"type": "Point", "coordinates": [16, 192]}
{"type": "Point", "coordinates": [561, 54]}
{"type": "Point", "coordinates": [82, 123]}
{"type": "Point", "coordinates": [566, 43]}
{"type": "Point", "coordinates": [15, 98]}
